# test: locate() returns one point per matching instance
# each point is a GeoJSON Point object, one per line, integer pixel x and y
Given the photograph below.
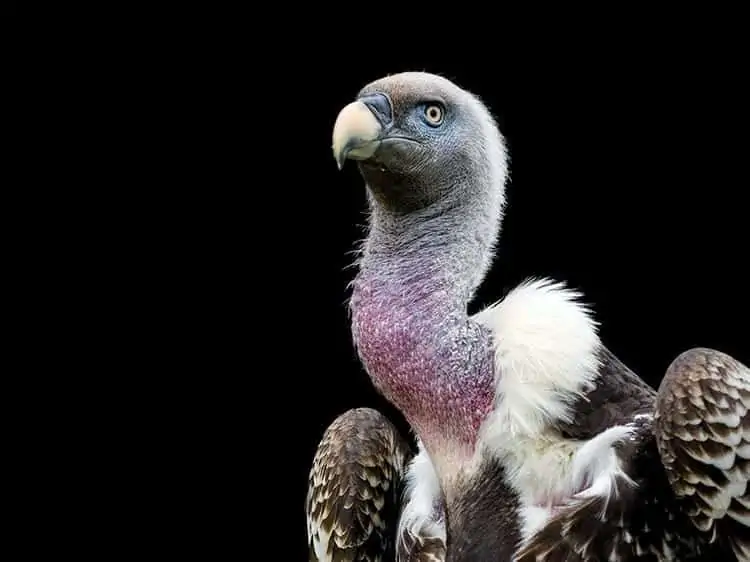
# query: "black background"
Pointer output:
{"type": "Point", "coordinates": [232, 226]}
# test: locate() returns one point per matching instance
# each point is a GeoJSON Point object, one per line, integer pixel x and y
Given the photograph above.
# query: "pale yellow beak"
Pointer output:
{"type": "Point", "coordinates": [356, 133]}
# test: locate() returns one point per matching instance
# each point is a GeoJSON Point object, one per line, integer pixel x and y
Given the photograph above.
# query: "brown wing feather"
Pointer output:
{"type": "Point", "coordinates": [703, 434]}
{"type": "Point", "coordinates": [353, 496]}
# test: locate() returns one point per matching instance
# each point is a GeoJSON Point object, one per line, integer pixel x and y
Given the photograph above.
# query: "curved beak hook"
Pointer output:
{"type": "Point", "coordinates": [356, 133]}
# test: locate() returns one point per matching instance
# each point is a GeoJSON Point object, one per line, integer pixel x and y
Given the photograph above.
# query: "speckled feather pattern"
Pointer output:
{"type": "Point", "coordinates": [353, 499]}
{"type": "Point", "coordinates": [703, 434]}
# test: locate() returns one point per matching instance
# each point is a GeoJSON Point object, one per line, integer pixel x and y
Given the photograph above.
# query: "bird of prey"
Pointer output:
{"type": "Point", "coordinates": [535, 441]}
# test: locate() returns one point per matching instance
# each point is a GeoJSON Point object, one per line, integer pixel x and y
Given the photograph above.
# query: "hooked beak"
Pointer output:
{"type": "Point", "coordinates": [360, 128]}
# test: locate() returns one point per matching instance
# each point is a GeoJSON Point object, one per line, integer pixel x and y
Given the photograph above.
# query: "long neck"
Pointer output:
{"type": "Point", "coordinates": [410, 323]}
{"type": "Point", "coordinates": [444, 244]}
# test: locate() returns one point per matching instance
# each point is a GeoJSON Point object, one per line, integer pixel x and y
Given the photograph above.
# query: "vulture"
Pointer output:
{"type": "Point", "coordinates": [534, 442]}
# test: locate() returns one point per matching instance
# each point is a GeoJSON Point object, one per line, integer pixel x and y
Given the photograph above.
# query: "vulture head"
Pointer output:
{"type": "Point", "coordinates": [416, 136]}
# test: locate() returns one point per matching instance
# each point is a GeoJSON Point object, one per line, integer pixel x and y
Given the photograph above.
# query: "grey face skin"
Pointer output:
{"type": "Point", "coordinates": [418, 143]}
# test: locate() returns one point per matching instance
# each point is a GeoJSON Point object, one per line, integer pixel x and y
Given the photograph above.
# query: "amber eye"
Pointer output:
{"type": "Point", "coordinates": [434, 114]}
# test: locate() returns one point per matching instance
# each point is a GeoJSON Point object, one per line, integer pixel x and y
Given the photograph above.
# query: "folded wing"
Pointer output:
{"type": "Point", "coordinates": [702, 430]}
{"type": "Point", "coordinates": [353, 497]}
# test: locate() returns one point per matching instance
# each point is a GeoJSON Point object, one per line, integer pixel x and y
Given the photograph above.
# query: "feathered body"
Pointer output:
{"type": "Point", "coordinates": [535, 441]}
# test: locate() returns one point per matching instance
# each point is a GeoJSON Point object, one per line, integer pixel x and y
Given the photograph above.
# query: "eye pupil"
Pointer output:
{"type": "Point", "coordinates": [434, 114]}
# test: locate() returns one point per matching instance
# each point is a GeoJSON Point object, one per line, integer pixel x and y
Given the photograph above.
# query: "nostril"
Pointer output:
{"type": "Point", "coordinates": [380, 106]}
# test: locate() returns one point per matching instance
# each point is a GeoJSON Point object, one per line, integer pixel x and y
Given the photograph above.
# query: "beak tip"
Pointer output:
{"type": "Point", "coordinates": [356, 133]}
{"type": "Point", "coordinates": [340, 158]}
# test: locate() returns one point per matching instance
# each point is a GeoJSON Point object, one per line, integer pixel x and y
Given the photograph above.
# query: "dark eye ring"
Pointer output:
{"type": "Point", "coordinates": [434, 114]}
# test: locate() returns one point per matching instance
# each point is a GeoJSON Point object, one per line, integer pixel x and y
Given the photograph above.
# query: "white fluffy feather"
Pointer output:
{"type": "Point", "coordinates": [546, 346]}
{"type": "Point", "coordinates": [422, 494]}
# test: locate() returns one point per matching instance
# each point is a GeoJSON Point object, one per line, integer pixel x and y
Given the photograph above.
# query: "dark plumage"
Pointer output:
{"type": "Point", "coordinates": [354, 493]}
{"type": "Point", "coordinates": [682, 493]}
{"type": "Point", "coordinates": [617, 395]}
{"type": "Point", "coordinates": [702, 431]}
{"type": "Point", "coordinates": [483, 518]}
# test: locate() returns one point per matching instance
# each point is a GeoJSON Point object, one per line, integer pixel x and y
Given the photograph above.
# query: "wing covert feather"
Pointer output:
{"type": "Point", "coordinates": [352, 503]}
{"type": "Point", "coordinates": [702, 429]}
